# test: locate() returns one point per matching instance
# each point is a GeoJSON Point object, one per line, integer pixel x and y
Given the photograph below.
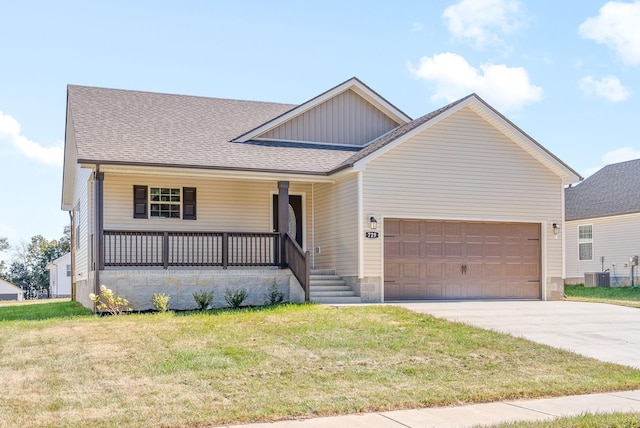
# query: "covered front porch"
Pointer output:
{"type": "Point", "coordinates": [235, 232]}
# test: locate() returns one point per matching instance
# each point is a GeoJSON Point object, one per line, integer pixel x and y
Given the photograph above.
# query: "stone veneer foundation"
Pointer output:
{"type": "Point", "coordinates": [138, 286]}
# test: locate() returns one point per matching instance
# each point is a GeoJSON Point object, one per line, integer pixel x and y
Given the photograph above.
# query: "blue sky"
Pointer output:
{"type": "Point", "coordinates": [566, 72]}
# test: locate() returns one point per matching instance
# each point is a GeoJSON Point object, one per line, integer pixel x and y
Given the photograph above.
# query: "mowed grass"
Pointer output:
{"type": "Point", "coordinates": [291, 361]}
{"type": "Point", "coordinates": [42, 310]}
{"type": "Point", "coordinates": [589, 420]}
{"type": "Point", "coordinates": [625, 296]}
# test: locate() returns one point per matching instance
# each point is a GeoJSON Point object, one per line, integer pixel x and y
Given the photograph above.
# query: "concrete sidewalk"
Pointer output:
{"type": "Point", "coordinates": [475, 414]}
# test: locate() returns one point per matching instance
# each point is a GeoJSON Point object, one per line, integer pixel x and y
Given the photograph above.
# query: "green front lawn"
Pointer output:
{"type": "Point", "coordinates": [626, 296]}
{"type": "Point", "coordinates": [614, 420]}
{"type": "Point", "coordinates": [266, 364]}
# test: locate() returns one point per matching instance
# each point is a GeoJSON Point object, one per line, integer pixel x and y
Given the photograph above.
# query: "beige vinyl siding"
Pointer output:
{"type": "Point", "coordinates": [336, 226]}
{"type": "Point", "coordinates": [222, 205]}
{"type": "Point", "coordinates": [82, 188]}
{"type": "Point", "coordinates": [462, 169]}
{"type": "Point", "coordinates": [615, 238]}
{"type": "Point", "coordinates": [344, 119]}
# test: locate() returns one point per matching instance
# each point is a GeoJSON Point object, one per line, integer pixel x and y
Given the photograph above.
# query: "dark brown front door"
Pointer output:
{"type": "Point", "coordinates": [461, 260]}
{"type": "Point", "coordinates": [295, 209]}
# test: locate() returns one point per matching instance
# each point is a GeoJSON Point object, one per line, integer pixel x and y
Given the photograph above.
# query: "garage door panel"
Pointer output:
{"type": "Point", "coordinates": [392, 227]}
{"type": "Point", "coordinates": [411, 227]}
{"type": "Point", "coordinates": [453, 249]}
{"type": "Point", "coordinates": [434, 249]}
{"type": "Point", "coordinates": [435, 270]}
{"type": "Point", "coordinates": [475, 249]}
{"type": "Point", "coordinates": [411, 270]}
{"type": "Point", "coordinates": [410, 249]}
{"type": "Point", "coordinates": [391, 250]}
{"type": "Point", "coordinates": [426, 258]}
{"type": "Point", "coordinates": [392, 270]}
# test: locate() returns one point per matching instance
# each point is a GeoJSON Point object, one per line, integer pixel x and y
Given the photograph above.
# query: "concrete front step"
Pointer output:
{"type": "Point", "coordinates": [336, 300]}
{"type": "Point", "coordinates": [322, 272]}
{"type": "Point", "coordinates": [314, 293]}
{"type": "Point", "coordinates": [327, 287]}
{"type": "Point", "coordinates": [325, 278]}
{"type": "Point", "coordinates": [327, 282]}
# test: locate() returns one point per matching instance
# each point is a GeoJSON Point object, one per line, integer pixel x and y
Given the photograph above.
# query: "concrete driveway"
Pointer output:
{"type": "Point", "coordinates": [605, 332]}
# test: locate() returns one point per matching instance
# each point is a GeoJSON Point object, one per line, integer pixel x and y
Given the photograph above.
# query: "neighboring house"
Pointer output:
{"type": "Point", "coordinates": [602, 224]}
{"type": "Point", "coordinates": [9, 291]}
{"type": "Point", "coordinates": [60, 276]}
{"type": "Point", "coordinates": [174, 193]}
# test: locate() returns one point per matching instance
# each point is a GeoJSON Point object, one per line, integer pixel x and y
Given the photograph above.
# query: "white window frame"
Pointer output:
{"type": "Point", "coordinates": [585, 240]}
{"type": "Point", "coordinates": [169, 203]}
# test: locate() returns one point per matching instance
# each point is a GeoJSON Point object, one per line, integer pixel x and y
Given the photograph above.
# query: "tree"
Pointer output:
{"type": "Point", "coordinates": [4, 246]}
{"type": "Point", "coordinates": [29, 267]}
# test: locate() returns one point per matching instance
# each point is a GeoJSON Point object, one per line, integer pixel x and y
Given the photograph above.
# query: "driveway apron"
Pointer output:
{"type": "Point", "coordinates": [606, 332]}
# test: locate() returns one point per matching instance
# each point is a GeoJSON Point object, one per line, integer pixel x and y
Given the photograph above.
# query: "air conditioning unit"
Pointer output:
{"type": "Point", "coordinates": [597, 279]}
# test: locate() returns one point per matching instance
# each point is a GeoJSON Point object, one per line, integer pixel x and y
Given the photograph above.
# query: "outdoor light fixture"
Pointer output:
{"type": "Point", "coordinates": [556, 229]}
{"type": "Point", "coordinates": [373, 223]}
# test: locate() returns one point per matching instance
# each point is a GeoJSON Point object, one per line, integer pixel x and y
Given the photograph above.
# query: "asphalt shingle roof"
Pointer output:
{"type": "Point", "coordinates": [132, 127]}
{"type": "Point", "coordinates": [613, 190]}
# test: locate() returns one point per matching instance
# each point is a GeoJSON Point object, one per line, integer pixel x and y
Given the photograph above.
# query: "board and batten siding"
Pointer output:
{"type": "Point", "coordinates": [336, 226]}
{"type": "Point", "coordinates": [462, 168]}
{"type": "Point", "coordinates": [344, 119]}
{"type": "Point", "coordinates": [615, 238]}
{"type": "Point", "coordinates": [222, 205]}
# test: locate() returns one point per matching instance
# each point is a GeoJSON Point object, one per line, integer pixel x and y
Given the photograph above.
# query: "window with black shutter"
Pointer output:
{"type": "Point", "coordinates": [140, 202]}
{"type": "Point", "coordinates": [188, 203]}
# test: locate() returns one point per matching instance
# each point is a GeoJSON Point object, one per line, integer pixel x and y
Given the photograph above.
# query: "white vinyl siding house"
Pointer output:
{"type": "Point", "coordinates": [602, 229]}
{"type": "Point", "coordinates": [60, 276]}
{"type": "Point", "coordinates": [258, 193]}
{"type": "Point", "coordinates": [614, 239]}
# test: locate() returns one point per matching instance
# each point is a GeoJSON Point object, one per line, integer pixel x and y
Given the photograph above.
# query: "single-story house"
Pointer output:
{"type": "Point", "coordinates": [60, 276]}
{"type": "Point", "coordinates": [602, 229]}
{"type": "Point", "coordinates": [9, 291]}
{"type": "Point", "coordinates": [341, 198]}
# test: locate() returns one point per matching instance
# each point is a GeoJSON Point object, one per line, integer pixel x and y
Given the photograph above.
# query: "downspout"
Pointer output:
{"type": "Point", "coordinates": [98, 260]}
{"type": "Point", "coordinates": [72, 246]}
{"type": "Point", "coordinates": [313, 227]}
{"type": "Point", "coordinates": [562, 241]}
{"type": "Point", "coordinates": [360, 226]}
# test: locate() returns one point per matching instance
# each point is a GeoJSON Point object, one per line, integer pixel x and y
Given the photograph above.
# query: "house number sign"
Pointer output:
{"type": "Point", "coordinates": [371, 235]}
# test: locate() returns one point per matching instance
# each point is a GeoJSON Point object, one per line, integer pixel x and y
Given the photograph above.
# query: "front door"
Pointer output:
{"type": "Point", "coordinates": [295, 217]}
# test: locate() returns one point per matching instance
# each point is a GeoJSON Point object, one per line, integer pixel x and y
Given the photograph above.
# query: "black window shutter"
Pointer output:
{"type": "Point", "coordinates": [140, 202]}
{"type": "Point", "coordinates": [188, 203]}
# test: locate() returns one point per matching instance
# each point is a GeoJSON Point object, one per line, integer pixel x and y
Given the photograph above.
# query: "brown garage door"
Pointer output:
{"type": "Point", "coordinates": [426, 259]}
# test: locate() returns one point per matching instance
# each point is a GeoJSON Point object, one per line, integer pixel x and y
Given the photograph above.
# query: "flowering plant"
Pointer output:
{"type": "Point", "coordinates": [106, 301]}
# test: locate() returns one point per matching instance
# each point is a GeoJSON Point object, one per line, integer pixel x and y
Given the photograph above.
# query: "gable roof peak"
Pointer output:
{"type": "Point", "coordinates": [352, 83]}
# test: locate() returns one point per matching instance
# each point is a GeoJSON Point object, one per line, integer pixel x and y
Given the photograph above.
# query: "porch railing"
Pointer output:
{"type": "Point", "coordinates": [170, 249]}
{"type": "Point", "coordinates": [207, 249]}
{"type": "Point", "coordinates": [299, 263]}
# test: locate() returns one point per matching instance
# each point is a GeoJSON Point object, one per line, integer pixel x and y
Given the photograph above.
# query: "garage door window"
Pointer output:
{"type": "Point", "coordinates": [585, 242]}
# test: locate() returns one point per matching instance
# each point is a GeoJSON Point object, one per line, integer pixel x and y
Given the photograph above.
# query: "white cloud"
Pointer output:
{"type": "Point", "coordinates": [506, 88]}
{"type": "Point", "coordinates": [10, 132]}
{"type": "Point", "coordinates": [614, 156]}
{"type": "Point", "coordinates": [416, 27]}
{"type": "Point", "coordinates": [483, 21]}
{"type": "Point", "coordinates": [608, 87]}
{"type": "Point", "coordinates": [617, 27]}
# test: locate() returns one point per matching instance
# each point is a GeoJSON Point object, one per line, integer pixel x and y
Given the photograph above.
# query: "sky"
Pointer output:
{"type": "Point", "coordinates": [565, 72]}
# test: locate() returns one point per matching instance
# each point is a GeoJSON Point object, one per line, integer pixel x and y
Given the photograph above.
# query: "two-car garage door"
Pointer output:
{"type": "Point", "coordinates": [425, 259]}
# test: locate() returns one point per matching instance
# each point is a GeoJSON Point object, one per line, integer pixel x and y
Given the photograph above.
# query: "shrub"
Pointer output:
{"type": "Point", "coordinates": [234, 298]}
{"type": "Point", "coordinates": [108, 302]}
{"type": "Point", "coordinates": [274, 296]}
{"type": "Point", "coordinates": [203, 299]}
{"type": "Point", "coordinates": [160, 302]}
